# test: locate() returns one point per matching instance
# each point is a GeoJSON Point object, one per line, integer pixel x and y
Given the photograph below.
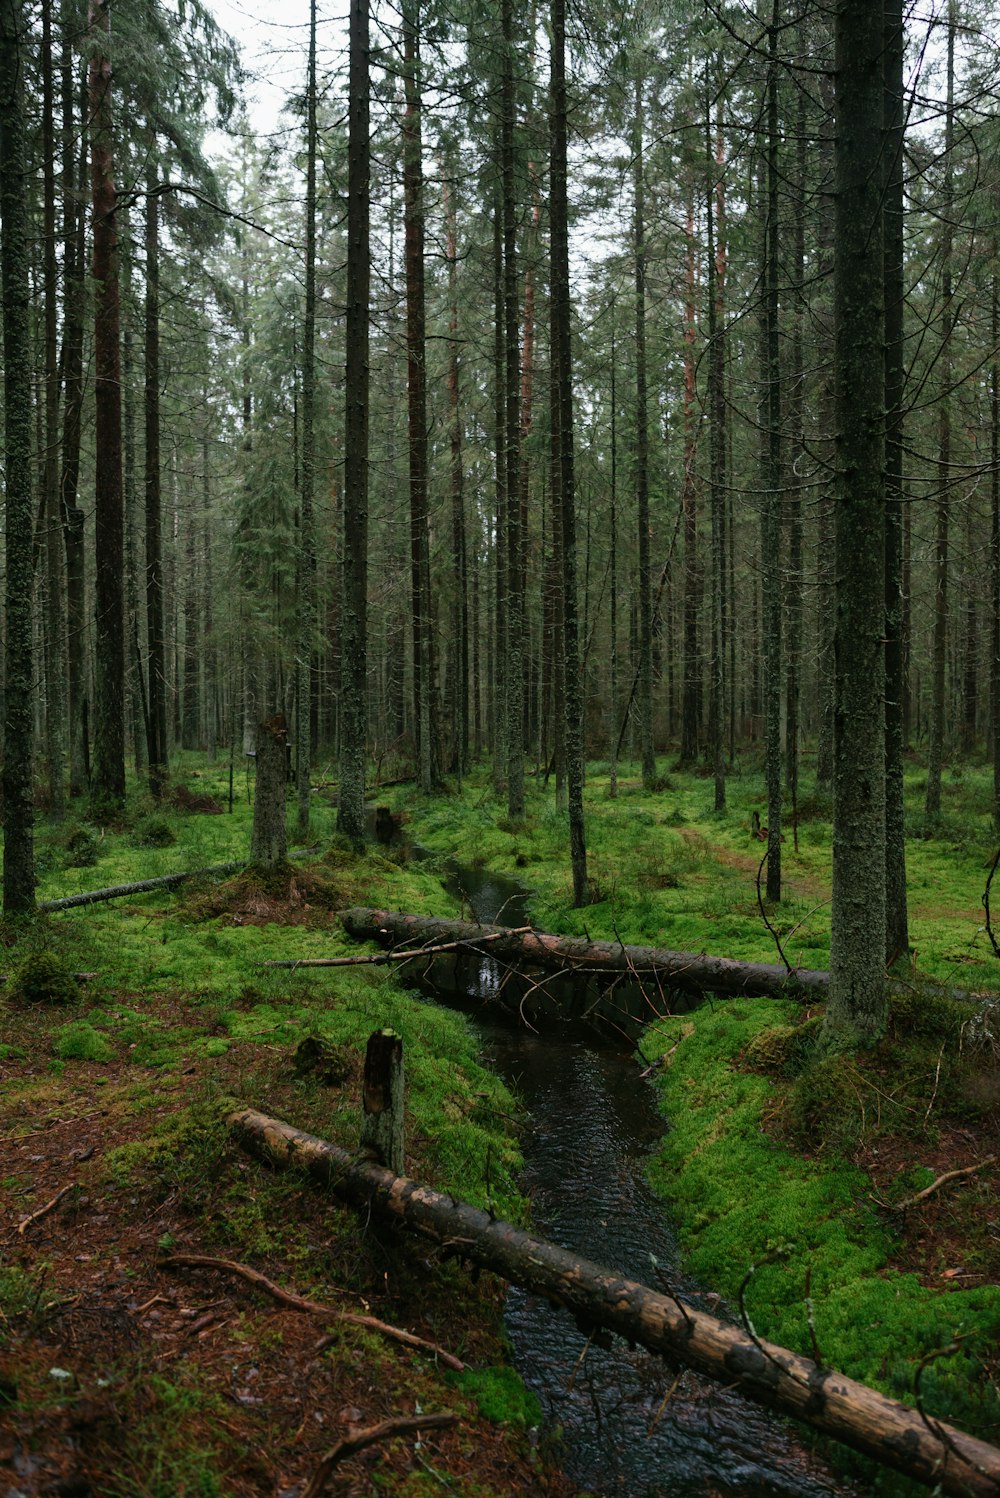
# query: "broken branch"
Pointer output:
{"type": "Point", "coordinates": [311, 1307]}
{"type": "Point", "coordinates": [398, 1425]}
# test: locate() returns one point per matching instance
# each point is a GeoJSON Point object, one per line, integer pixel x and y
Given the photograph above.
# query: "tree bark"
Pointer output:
{"type": "Point", "coordinates": [645, 595]}
{"type": "Point", "coordinates": [858, 1006]}
{"type": "Point", "coordinates": [862, 1418]}
{"type": "Point", "coordinates": [307, 539]}
{"type": "Point", "coordinates": [18, 806]}
{"type": "Point", "coordinates": [269, 838]}
{"type": "Point", "coordinates": [354, 618]}
{"type": "Point", "coordinates": [109, 630]}
{"type": "Point", "coordinates": [562, 437]}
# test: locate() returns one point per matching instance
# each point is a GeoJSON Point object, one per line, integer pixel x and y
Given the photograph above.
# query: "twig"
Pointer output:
{"type": "Point", "coordinates": [937, 1078]}
{"type": "Point", "coordinates": [666, 1400]}
{"type": "Point", "coordinates": [312, 1307]}
{"type": "Point", "coordinates": [935, 1429]}
{"type": "Point", "coordinates": [986, 904]}
{"type": "Point", "coordinates": [767, 923]}
{"type": "Point", "coordinates": [949, 1175]}
{"type": "Point", "coordinates": [376, 959]}
{"type": "Point", "coordinates": [49, 1207]}
{"type": "Point", "coordinates": [397, 1426]}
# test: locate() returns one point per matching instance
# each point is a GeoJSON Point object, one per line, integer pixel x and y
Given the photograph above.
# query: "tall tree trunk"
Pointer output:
{"type": "Point", "coordinates": [717, 461]}
{"type": "Point", "coordinates": [514, 705]}
{"type": "Point", "coordinates": [459, 674]}
{"type": "Point", "coordinates": [156, 691]}
{"type": "Point", "coordinates": [18, 809]}
{"type": "Point", "coordinates": [55, 622]}
{"type": "Point", "coordinates": [109, 631]}
{"type": "Point", "coordinates": [857, 1006]}
{"type": "Point", "coordinates": [691, 688]}
{"type": "Point", "coordinates": [645, 600]}
{"type": "Point", "coordinates": [939, 706]}
{"type": "Point", "coordinates": [563, 442]}
{"type": "Point", "coordinates": [73, 185]}
{"type": "Point", "coordinates": [498, 713]}
{"type": "Point", "coordinates": [613, 731]}
{"type": "Point", "coordinates": [416, 384]}
{"type": "Point", "coordinates": [995, 528]}
{"type": "Point", "coordinates": [897, 936]}
{"type": "Point", "coordinates": [354, 619]}
{"type": "Point", "coordinates": [306, 588]}
{"type": "Point", "coordinates": [773, 476]}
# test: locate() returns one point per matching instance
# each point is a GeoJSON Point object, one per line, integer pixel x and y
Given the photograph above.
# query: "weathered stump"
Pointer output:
{"type": "Point", "coordinates": [382, 1129]}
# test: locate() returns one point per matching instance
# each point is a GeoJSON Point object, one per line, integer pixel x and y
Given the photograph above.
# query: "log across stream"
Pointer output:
{"type": "Point", "coordinates": [593, 1121]}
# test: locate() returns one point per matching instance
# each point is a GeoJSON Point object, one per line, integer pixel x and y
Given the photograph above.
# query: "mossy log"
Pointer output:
{"type": "Point", "coordinates": [880, 1428]}
{"type": "Point", "coordinates": [141, 886]}
{"type": "Point", "coordinates": [690, 972]}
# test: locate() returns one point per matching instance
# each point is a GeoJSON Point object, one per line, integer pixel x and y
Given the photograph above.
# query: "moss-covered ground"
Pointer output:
{"type": "Point", "coordinates": [119, 1376]}
{"type": "Point", "coordinates": [788, 1175]}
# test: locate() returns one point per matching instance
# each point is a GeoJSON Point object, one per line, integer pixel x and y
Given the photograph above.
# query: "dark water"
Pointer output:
{"type": "Point", "coordinates": [629, 1424]}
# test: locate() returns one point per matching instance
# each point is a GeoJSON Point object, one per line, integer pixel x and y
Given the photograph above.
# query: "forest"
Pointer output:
{"type": "Point", "coordinates": [577, 432]}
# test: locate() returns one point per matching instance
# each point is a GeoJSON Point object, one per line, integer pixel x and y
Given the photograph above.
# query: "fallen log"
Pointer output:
{"type": "Point", "coordinates": [164, 881]}
{"type": "Point", "coordinates": [693, 973]}
{"type": "Point", "coordinates": [890, 1433]}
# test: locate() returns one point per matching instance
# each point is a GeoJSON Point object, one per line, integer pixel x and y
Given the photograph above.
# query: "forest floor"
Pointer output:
{"type": "Point", "coordinates": [121, 1375]}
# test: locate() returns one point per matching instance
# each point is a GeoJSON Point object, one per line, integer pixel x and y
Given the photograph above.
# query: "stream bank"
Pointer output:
{"type": "Point", "coordinates": [629, 1424]}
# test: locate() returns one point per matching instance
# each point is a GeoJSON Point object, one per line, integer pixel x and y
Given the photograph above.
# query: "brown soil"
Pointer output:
{"type": "Point", "coordinates": [121, 1377]}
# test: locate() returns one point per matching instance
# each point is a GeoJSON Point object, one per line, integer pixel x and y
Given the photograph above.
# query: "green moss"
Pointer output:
{"type": "Point", "coordinates": [823, 1110]}
{"type": "Point", "coordinates": [781, 1050]}
{"type": "Point", "coordinates": [500, 1395]}
{"type": "Point", "coordinates": [79, 1041]}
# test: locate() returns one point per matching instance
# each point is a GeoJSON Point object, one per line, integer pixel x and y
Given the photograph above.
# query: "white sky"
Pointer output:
{"type": "Point", "coordinates": [274, 40]}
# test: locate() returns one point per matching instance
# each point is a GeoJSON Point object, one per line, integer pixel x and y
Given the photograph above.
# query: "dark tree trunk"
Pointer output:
{"type": "Point", "coordinates": [269, 840]}
{"type": "Point", "coordinates": [459, 674]}
{"type": "Point", "coordinates": [939, 706]}
{"type": "Point", "coordinates": [74, 177]}
{"type": "Point", "coordinates": [425, 718]}
{"type": "Point", "coordinates": [354, 618]}
{"type": "Point", "coordinates": [307, 540]}
{"type": "Point", "coordinates": [771, 527]}
{"type": "Point", "coordinates": [857, 1009]}
{"type": "Point", "coordinates": [645, 600]}
{"type": "Point", "coordinates": [995, 530]}
{"type": "Point", "coordinates": [717, 461]}
{"type": "Point", "coordinates": [55, 619]}
{"type": "Point", "coordinates": [562, 437]}
{"type": "Point", "coordinates": [156, 691]}
{"type": "Point", "coordinates": [514, 700]}
{"type": "Point", "coordinates": [109, 627]}
{"type": "Point", "coordinates": [498, 706]}
{"type": "Point", "coordinates": [897, 938]}
{"type": "Point", "coordinates": [18, 809]}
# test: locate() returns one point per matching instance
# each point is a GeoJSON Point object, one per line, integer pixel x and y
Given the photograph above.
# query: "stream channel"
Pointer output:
{"type": "Point", "coordinates": [628, 1425]}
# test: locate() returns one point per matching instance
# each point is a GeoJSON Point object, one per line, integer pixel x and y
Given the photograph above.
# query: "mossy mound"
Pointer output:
{"type": "Point", "coordinates": [81, 848]}
{"type": "Point", "coordinates": [821, 1107]}
{"type": "Point", "coordinates": [154, 832]}
{"type": "Point", "coordinates": [44, 978]}
{"type": "Point", "coordinates": [782, 1050]}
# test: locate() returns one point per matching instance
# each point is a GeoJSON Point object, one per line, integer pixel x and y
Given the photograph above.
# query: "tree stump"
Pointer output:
{"type": "Point", "coordinates": [382, 1095]}
{"type": "Point", "coordinates": [269, 839]}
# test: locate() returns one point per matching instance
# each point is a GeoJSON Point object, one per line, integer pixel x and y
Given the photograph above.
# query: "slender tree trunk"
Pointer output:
{"type": "Point", "coordinates": [613, 706]}
{"type": "Point", "coordinates": [156, 692]}
{"type": "Point", "coordinates": [857, 1007]}
{"type": "Point", "coordinates": [354, 619]}
{"type": "Point", "coordinates": [416, 381]}
{"type": "Point", "coordinates": [18, 808]}
{"type": "Point", "coordinates": [897, 938]}
{"type": "Point", "coordinates": [74, 177]}
{"type": "Point", "coordinates": [109, 631]}
{"type": "Point", "coordinates": [995, 528]}
{"type": "Point", "coordinates": [498, 714]}
{"type": "Point", "coordinates": [55, 621]}
{"type": "Point", "coordinates": [563, 441]}
{"type": "Point", "coordinates": [717, 460]}
{"type": "Point", "coordinates": [691, 689]}
{"type": "Point", "coordinates": [460, 603]}
{"type": "Point", "coordinates": [307, 538]}
{"type": "Point", "coordinates": [645, 600]}
{"type": "Point", "coordinates": [514, 706]}
{"type": "Point", "coordinates": [771, 527]}
{"type": "Point", "coordinates": [939, 706]}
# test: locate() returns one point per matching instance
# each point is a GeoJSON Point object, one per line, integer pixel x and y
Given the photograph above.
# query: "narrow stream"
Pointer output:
{"type": "Point", "coordinates": [629, 1424]}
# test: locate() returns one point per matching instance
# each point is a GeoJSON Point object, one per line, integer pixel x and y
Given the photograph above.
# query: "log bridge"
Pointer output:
{"type": "Point", "coordinates": [547, 977]}
{"type": "Point", "coordinates": [908, 1440]}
